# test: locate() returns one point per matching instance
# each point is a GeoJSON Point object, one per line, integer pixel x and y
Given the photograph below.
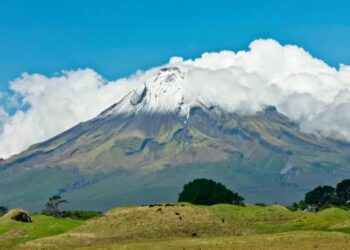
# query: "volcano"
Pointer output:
{"type": "Point", "coordinates": [161, 135]}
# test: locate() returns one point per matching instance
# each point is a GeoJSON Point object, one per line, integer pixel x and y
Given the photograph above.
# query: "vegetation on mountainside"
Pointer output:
{"type": "Point", "coordinates": [208, 192]}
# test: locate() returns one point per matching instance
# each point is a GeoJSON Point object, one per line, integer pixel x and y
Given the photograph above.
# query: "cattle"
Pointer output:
{"type": "Point", "coordinates": [177, 213]}
{"type": "Point", "coordinates": [194, 234]}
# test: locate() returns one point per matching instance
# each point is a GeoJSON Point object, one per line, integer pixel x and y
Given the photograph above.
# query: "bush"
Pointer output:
{"type": "Point", "coordinates": [3, 210]}
{"type": "Point", "coordinates": [80, 215]}
{"type": "Point", "coordinates": [260, 204]}
{"type": "Point", "coordinates": [208, 192]}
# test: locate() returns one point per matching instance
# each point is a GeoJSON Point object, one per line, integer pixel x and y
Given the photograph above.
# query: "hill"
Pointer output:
{"type": "Point", "coordinates": [15, 232]}
{"type": "Point", "coordinates": [208, 227]}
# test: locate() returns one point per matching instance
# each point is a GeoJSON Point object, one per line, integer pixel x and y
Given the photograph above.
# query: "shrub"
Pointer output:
{"type": "Point", "coordinates": [3, 210]}
{"type": "Point", "coordinates": [80, 214]}
{"type": "Point", "coordinates": [260, 204]}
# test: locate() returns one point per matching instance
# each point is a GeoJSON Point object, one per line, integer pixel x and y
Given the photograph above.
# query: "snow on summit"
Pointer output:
{"type": "Point", "coordinates": [164, 92]}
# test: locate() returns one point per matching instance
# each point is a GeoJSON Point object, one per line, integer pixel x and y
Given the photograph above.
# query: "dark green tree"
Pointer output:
{"type": "Point", "coordinates": [335, 200]}
{"type": "Point", "coordinates": [208, 192]}
{"type": "Point", "coordinates": [3, 210]}
{"type": "Point", "coordinates": [302, 205]}
{"type": "Point", "coordinates": [293, 207]}
{"type": "Point", "coordinates": [52, 206]}
{"type": "Point", "coordinates": [343, 190]}
{"type": "Point", "coordinates": [320, 197]}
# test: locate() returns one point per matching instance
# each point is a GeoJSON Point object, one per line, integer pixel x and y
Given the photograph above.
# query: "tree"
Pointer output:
{"type": "Point", "coordinates": [52, 206]}
{"type": "Point", "coordinates": [302, 205]}
{"type": "Point", "coordinates": [3, 210]}
{"type": "Point", "coordinates": [320, 197]}
{"type": "Point", "coordinates": [335, 200]}
{"type": "Point", "coordinates": [293, 207]}
{"type": "Point", "coordinates": [208, 192]}
{"type": "Point", "coordinates": [343, 190]}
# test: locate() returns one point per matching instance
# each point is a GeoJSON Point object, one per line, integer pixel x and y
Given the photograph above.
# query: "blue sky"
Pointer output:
{"type": "Point", "coordinates": [117, 37]}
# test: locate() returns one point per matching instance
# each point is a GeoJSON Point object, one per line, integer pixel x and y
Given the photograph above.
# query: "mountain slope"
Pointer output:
{"type": "Point", "coordinates": [158, 137]}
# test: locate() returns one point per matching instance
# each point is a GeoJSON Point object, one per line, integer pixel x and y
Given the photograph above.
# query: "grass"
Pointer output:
{"type": "Point", "coordinates": [14, 232]}
{"type": "Point", "coordinates": [292, 240]}
{"type": "Point", "coordinates": [252, 215]}
{"type": "Point", "coordinates": [331, 219]}
{"type": "Point", "coordinates": [139, 223]}
{"type": "Point", "coordinates": [217, 227]}
{"type": "Point", "coordinates": [277, 219]}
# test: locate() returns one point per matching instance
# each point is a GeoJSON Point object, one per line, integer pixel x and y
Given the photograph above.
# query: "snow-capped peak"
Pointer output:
{"type": "Point", "coordinates": [164, 92]}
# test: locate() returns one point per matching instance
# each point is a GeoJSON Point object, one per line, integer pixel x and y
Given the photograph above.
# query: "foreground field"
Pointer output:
{"type": "Point", "coordinates": [185, 226]}
{"type": "Point", "coordinates": [290, 240]}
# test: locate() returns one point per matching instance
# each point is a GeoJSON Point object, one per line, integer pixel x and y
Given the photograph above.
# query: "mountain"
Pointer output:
{"type": "Point", "coordinates": [160, 136]}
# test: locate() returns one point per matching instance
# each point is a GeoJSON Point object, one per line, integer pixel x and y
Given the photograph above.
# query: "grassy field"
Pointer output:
{"type": "Point", "coordinates": [160, 227]}
{"type": "Point", "coordinates": [291, 240]}
{"type": "Point", "coordinates": [13, 233]}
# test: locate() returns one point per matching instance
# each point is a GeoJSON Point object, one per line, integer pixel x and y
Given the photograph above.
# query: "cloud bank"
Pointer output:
{"type": "Point", "coordinates": [302, 87]}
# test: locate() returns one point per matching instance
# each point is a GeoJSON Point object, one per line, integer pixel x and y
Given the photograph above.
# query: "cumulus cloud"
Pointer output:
{"type": "Point", "coordinates": [52, 105]}
{"type": "Point", "coordinates": [302, 87]}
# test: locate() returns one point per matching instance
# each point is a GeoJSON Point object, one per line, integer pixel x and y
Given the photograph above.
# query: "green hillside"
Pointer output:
{"type": "Point", "coordinates": [14, 232]}
{"type": "Point", "coordinates": [184, 226]}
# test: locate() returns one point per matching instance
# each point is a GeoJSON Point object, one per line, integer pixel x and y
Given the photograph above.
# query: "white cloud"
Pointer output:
{"type": "Point", "coordinates": [302, 87]}
{"type": "Point", "coordinates": [3, 117]}
{"type": "Point", "coordinates": [56, 104]}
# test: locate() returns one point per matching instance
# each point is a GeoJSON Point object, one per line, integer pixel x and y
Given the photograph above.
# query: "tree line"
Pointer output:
{"type": "Point", "coordinates": [323, 197]}
{"type": "Point", "coordinates": [209, 192]}
{"type": "Point", "coordinates": [53, 208]}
